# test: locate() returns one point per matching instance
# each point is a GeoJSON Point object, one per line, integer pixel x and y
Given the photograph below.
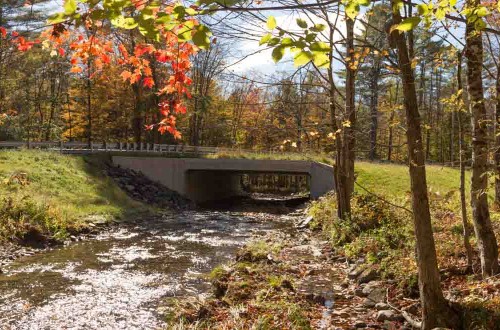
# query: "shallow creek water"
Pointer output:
{"type": "Point", "coordinates": [120, 279]}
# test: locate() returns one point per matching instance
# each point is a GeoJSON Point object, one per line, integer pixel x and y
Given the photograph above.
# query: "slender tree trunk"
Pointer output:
{"type": "Point", "coordinates": [497, 140]}
{"type": "Point", "coordinates": [89, 103]}
{"type": "Point", "coordinates": [435, 310]}
{"type": "Point", "coordinates": [463, 204]}
{"type": "Point", "coordinates": [486, 241]}
{"type": "Point", "coordinates": [429, 122]}
{"type": "Point", "coordinates": [391, 120]}
{"type": "Point", "coordinates": [137, 120]}
{"type": "Point", "coordinates": [452, 138]}
{"type": "Point", "coordinates": [375, 73]}
{"type": "Point", "coordinates": [350, 108]}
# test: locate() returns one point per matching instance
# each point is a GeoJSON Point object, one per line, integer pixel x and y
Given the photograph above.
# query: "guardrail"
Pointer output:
{"type": "Point", "coordinates": [79, 147]}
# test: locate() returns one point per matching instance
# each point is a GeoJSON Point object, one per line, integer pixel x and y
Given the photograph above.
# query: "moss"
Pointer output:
{"type": "Point", "coordinates": [257, 251]}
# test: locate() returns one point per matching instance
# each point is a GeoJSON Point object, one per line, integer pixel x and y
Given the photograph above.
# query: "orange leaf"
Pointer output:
{"type": "Point", "coordinates": [76, 69]}
{"type": "Point", "coordinates": [148, 82]}
{"type": "Point", "coordinates": [126, 75]}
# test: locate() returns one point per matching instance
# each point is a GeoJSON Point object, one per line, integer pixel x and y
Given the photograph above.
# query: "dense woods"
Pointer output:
{"type": "Point", "coordinates": [399, 81]}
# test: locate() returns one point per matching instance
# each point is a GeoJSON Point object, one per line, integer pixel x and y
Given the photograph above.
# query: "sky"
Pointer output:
{"type": "Point", "coordinates": [262, 61]}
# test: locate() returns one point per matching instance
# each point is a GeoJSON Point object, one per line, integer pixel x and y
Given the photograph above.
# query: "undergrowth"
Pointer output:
{"type": "Point", "coordinates": [382, 233]}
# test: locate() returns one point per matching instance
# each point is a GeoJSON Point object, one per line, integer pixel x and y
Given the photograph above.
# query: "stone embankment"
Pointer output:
{"type": "Point", "coordinates": [141, 188]}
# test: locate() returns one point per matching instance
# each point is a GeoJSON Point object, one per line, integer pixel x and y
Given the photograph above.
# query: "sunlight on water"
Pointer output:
{"type": "Point", "coordinates": [118, 280]}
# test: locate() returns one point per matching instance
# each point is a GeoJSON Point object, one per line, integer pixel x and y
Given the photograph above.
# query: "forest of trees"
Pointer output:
{"type": "Point", "coordinates": [369, 82]}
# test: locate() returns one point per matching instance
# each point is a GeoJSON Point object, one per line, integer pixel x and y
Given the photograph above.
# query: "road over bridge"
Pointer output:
{"type": "Point", "coordinates": [210, 179]}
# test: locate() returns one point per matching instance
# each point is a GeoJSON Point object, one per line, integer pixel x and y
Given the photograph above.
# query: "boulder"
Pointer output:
{"type": "Point", "coordinates": [367, 275]}
{"type": "Point", "coordinates": [376, 296]}
{"type": "Point", "coordinates": [389, 315]}
{"type": "Point", "coordinates": [360, 324]}
{"type": "Point", "coordinates": [354, 272]}
{"type": "Point", "coordinates": [381, 306]}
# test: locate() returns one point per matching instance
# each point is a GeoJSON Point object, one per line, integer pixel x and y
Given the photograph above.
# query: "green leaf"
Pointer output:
{"type": "Point", "coordinates": [440, 14]}
{"type": "Point", "coordinates": [271, 23]}
{"type": "Point", "coordinates": [408, 24]}
{"type": "Point", "coordinates": [180, 12]}
{"type": "Point", "coordinates": [422, 9]}
{"type": "Point", "coordinates": [130, 23]}
{"type": "Point", "coordinates": [321, 60]}
{"type": "Point", "coordinates": [310, 37]}
{"type": "Point", "coordinates": [301, 23]}
{"type": "Point", "coordinates": [480, 24]}
{"type": "Point", "coordinates": [201, 37]}
{"type": "Point", "coordinates": [318, 27]}
{"type": "Point", "coordinates": [273, 42]}
{"type": "Point", "coordinates": [98, 14]}
{"type": "Point", "coordinates": [56, 18]}
{"type": "Point", "coordinates": [278, 53]}
{"type": "Point", "coordinates": [287, 42]}
{"type": "Point", "coordinates": [186, 32]}
{"type": "Point", "coordinates": [70, 7]}
{"type": "Point", "coordinates": [352, 9]}
{"type": "Point", "coordinates": [319, 47]}
{"type": "Point", "coordinates": [265, 38]}
{"type": "Point", "coordinates": [127, 23]}
{"type": "Point", "coordinates": [364, 2]}
{"type": "Point", "coordinates": [302, 58]}
{"type": "Point", "coordinates": [482, 12]}
{"type": "Point", "coordinates": [163, 18]}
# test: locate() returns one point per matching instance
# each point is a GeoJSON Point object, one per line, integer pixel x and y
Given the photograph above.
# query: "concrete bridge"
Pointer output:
{"type": "Point", "coordinates": [211, 179]}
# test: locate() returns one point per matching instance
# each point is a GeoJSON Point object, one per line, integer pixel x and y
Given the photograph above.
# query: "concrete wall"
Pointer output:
{"type": "Point", "coordinates": [210, 179]}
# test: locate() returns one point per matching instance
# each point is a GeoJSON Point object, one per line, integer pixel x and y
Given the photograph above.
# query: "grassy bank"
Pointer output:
{"type": "Point", "coordinates": [273, 156]}
{"type": "Point", "coordinates": [383, 233]}
{"type": "Point", "coordinates": [51, 195]}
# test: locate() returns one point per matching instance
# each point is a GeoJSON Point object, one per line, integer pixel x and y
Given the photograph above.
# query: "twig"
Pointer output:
{"type": "Point", "coordinates": [408, 318]}
{"type": "Point", "coordinates": [383, 199]}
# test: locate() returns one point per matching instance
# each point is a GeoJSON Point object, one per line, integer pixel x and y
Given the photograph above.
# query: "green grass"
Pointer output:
{"type": "Point", "coordinates": [68, 190]}
{"type": "Point", "coordinates": [273, 156]}
{"type": "Point", "coordinates": [392, 180]}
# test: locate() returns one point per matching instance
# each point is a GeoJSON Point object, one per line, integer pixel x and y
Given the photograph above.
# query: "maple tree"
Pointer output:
{"type": "Point", "coordinates": [174, 33]}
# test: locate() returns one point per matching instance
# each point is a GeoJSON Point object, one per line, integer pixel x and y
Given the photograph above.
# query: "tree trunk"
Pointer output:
{"type": "Point", "coordinates": [137, 120]}
{"type": "Point", "coordinates": [461, 142]}
{"type": "Point", "coordinates": [350, 108]}
{"type": "Point", "coordinates": [429, 122]}
{"type": "Point", "coordinates": [486, 241]}
{"type": "Point", "coordinates": [391, 120]}
{"type": "Point", "coordinates": [497, 140]}
{"type": "Point", "coordinates": [435, 310]}
{"type": "Point", "coordinates": [375, 73]}
{"type": "Point", "coordinates": [89, 104]}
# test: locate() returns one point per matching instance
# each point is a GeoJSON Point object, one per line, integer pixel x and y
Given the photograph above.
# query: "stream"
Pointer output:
{"type": "Point", "coordinates": [122, 278]}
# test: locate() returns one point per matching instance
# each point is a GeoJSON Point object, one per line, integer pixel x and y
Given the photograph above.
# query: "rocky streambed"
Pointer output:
{"type": "Point", "coordinates": [151, 272]}
{"type": "Point", "coordinates": [122, 277]}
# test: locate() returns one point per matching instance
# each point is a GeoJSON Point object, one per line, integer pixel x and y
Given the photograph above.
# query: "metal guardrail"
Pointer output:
{"type": "Point", "coordinates": [79, 147]}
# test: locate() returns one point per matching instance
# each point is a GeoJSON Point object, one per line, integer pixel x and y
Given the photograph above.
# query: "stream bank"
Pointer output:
{"type": "Point", "coordinates": [292, 280]}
